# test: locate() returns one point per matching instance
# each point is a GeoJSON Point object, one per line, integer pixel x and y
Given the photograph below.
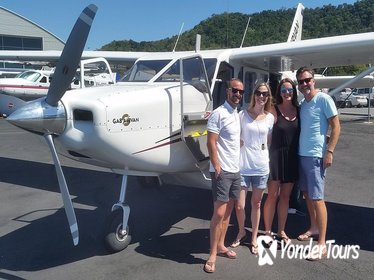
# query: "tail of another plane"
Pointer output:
{"type": "Point", "coordinates": [297, 25]}
{"type": "Point", "coordinates": [8, 104]}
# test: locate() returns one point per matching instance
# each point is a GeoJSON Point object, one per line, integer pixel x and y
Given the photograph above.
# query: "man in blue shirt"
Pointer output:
{"type": "Point", "coordinates": [317, 113]}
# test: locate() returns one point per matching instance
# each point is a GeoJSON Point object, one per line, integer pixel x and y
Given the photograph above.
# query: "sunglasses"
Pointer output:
{"type": "Point", "coordinates": [286, 90]}
{"type": "Point", "coordinates": [235, 90]}
{"type": "Point", "coordinates": [304, 81]}
{"type": "Point", "coordinates": [262, 93]}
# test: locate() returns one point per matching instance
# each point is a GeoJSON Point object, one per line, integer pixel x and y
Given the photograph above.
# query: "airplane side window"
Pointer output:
{"type": "Point", "coordinates": [43, 80]}
{"type": "Point", "coordinates": [194, 74]}
{"type": "Point", "coordinates": [225, 73]}
{"type": "Point", "coordinates": [143, 71]}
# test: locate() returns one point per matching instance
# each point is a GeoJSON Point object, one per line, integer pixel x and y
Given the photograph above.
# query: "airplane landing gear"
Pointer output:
{"type": "Point", "coordinates": [117, 236]}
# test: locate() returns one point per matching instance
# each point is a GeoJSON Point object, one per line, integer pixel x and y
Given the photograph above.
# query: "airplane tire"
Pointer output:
{"type": "Point", "coordinates": [114, 240]}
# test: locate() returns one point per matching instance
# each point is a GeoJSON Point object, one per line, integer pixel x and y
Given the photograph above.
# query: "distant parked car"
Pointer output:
{"type": "Point", "coordinates": [356, 100]}
{"type": "Point", "coordinates": [366, 92]}
{"type": "Point", "coordinates": [340, 98]}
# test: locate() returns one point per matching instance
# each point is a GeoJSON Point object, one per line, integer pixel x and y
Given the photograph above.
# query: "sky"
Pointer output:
{"type": "Point", "coordinates": [139, 20]}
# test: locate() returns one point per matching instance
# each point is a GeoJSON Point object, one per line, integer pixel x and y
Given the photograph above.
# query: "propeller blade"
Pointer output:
{"type": "Point", "coordinates": [68, 205]}
{"type": "Point", "coordinates": [71, 55]}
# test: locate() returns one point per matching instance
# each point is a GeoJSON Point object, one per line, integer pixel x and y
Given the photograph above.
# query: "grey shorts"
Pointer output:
{"type": "Point", "coordinates": [226, 186]}
{"type": "Point", "coordinates": [258, 182]}
{"type": "Point", "coordinates": [312, 177]}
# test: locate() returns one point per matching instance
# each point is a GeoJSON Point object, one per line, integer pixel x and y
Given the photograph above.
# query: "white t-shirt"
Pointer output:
{"type": "Point", "coordinates": [224, 121]}
{"type": "Point", "coordinates": [254, 154]}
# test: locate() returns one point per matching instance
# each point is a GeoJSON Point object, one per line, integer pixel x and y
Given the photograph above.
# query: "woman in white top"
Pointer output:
{"type": "Point", "coordinates": [256, 127]}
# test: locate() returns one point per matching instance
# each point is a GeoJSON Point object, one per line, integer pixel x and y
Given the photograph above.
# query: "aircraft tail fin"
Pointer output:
{"type": "Point", "coordinates": [8, 104]}
{"type": "Point", "coordinates": [297, 24]}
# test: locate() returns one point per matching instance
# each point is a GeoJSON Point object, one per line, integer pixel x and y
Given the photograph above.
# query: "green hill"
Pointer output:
{"type": "Point", "coordinates": [226, 30]}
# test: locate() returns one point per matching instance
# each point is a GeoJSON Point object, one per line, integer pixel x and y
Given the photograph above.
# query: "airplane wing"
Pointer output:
{"type": "Point", "coordinates": [113, 57]}
{"type": "Point", "coordinates": [315, 53]}
{"type": "Point", "coordinates": [333, 81]}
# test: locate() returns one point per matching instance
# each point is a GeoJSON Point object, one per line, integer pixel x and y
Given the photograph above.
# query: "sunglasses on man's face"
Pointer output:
{"type": "Point", "coordinates": [262, 93]}
{"type": "Point", "coordinates": [304, 81]}
{"type": "Point", "coordinates": [235, 90]}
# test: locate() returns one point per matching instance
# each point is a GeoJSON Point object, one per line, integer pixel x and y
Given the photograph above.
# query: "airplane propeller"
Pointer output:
{"type": "Point", "coordinates": [47, 116]}
{"type": "Point", "coordinates": [71, 55]}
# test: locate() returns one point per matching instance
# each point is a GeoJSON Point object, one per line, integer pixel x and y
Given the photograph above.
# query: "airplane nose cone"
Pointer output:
{"type": "Point", "coordinates": [39, 117]}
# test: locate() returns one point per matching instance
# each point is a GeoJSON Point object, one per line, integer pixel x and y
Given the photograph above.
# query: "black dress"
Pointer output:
{"type": "Point", "coordinates": [284, 149]}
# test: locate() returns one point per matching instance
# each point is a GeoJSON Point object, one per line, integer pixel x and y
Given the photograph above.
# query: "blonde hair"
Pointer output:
{"type": "Point", "coordinates": [268, 103]}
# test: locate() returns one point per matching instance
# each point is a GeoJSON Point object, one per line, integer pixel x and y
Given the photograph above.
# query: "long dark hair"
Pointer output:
{"type": "Point", "coordinates": [278, 97]}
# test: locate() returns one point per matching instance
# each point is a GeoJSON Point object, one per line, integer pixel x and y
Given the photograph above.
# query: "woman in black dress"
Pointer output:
{"type": "Point", "coordinates": [283, 157]}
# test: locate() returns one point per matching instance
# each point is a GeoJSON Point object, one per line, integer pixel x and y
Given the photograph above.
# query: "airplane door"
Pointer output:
{"type": "Point", "coordinates": [195, 86]}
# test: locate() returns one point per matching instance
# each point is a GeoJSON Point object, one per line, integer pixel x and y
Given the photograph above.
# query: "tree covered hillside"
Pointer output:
{"type": "Point", "coordinates": [226, 30]}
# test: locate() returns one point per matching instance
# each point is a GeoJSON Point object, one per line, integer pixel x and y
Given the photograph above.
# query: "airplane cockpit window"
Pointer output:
{"type": "Point", "coordinates": [193, 73]}
{"type": "Point", "coordinates": [29, 75]}
{"type": "Point", "coordinates": [144, 70]}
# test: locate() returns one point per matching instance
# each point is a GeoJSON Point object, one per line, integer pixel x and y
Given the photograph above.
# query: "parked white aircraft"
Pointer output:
{"type": "Point", "coordinates": [152, 122]}
{"type": "Point", "coordinates": [27, 85]}
{"type": "Point", "coordinates": [32, 84]}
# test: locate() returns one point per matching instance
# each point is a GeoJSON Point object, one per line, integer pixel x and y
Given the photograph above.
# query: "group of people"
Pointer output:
{"type": "Point", "coordinates": [272, 144]}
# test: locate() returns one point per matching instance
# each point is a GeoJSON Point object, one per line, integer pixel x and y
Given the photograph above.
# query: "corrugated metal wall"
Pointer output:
{"type": "Point", "coordinates": [16, 25]}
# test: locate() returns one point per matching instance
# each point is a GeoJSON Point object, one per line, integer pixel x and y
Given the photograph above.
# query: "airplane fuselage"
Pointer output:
{"type": "Point", "coordinates": [134, 127]}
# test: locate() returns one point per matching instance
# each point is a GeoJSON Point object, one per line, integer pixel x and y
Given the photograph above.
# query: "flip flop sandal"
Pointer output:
{"type": "Point", "coordinates": [316, 256]}
{"type": "Point", "coordinates": [286, 240]}
{"type": "Point", "coordinates": [209, 267]}
{"type": "Point", "coordinates": [254, 249]}
{"type": "Point", "coordinates": [227, 254]}
{"type": "Point", "coordinates": [307, 236]}
{"type": "Point", "coordinates": [237, 242]}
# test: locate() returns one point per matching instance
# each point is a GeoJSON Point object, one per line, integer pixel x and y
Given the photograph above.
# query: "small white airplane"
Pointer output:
{"type": "Point", "coordinates": [32, 84]}
{"type": "Point", "coordinates": [152, 123]}
{"type": "Point", "coordinates": [27, 85]}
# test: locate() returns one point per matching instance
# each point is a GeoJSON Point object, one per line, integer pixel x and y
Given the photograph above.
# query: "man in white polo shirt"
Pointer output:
{"type": "Point", "coordinates": [224, 150]}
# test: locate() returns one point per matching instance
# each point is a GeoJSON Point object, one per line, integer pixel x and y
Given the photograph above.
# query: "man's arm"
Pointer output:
{"type": "Point", "coordinates": [213, 152]}
{"type": "Point", "coordinates": [333, 140]}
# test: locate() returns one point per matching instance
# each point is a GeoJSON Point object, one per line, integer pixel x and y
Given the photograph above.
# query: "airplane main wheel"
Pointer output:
{"type": "Point", "coordinates": [115, 238]}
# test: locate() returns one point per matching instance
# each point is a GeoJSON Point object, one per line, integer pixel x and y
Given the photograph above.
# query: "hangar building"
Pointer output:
{"type": "Point", "coordinates": [19, 33]}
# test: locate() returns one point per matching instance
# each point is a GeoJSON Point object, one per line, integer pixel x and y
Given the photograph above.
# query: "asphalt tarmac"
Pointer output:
{"type": "Point", "coordinates": [170, 224]}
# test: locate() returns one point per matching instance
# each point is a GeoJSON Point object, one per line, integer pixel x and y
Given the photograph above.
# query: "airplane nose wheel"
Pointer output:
{"type": "Point", "coordinates": [118, 235]}
{"type": "Point", "coordinates": [117, 238]}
